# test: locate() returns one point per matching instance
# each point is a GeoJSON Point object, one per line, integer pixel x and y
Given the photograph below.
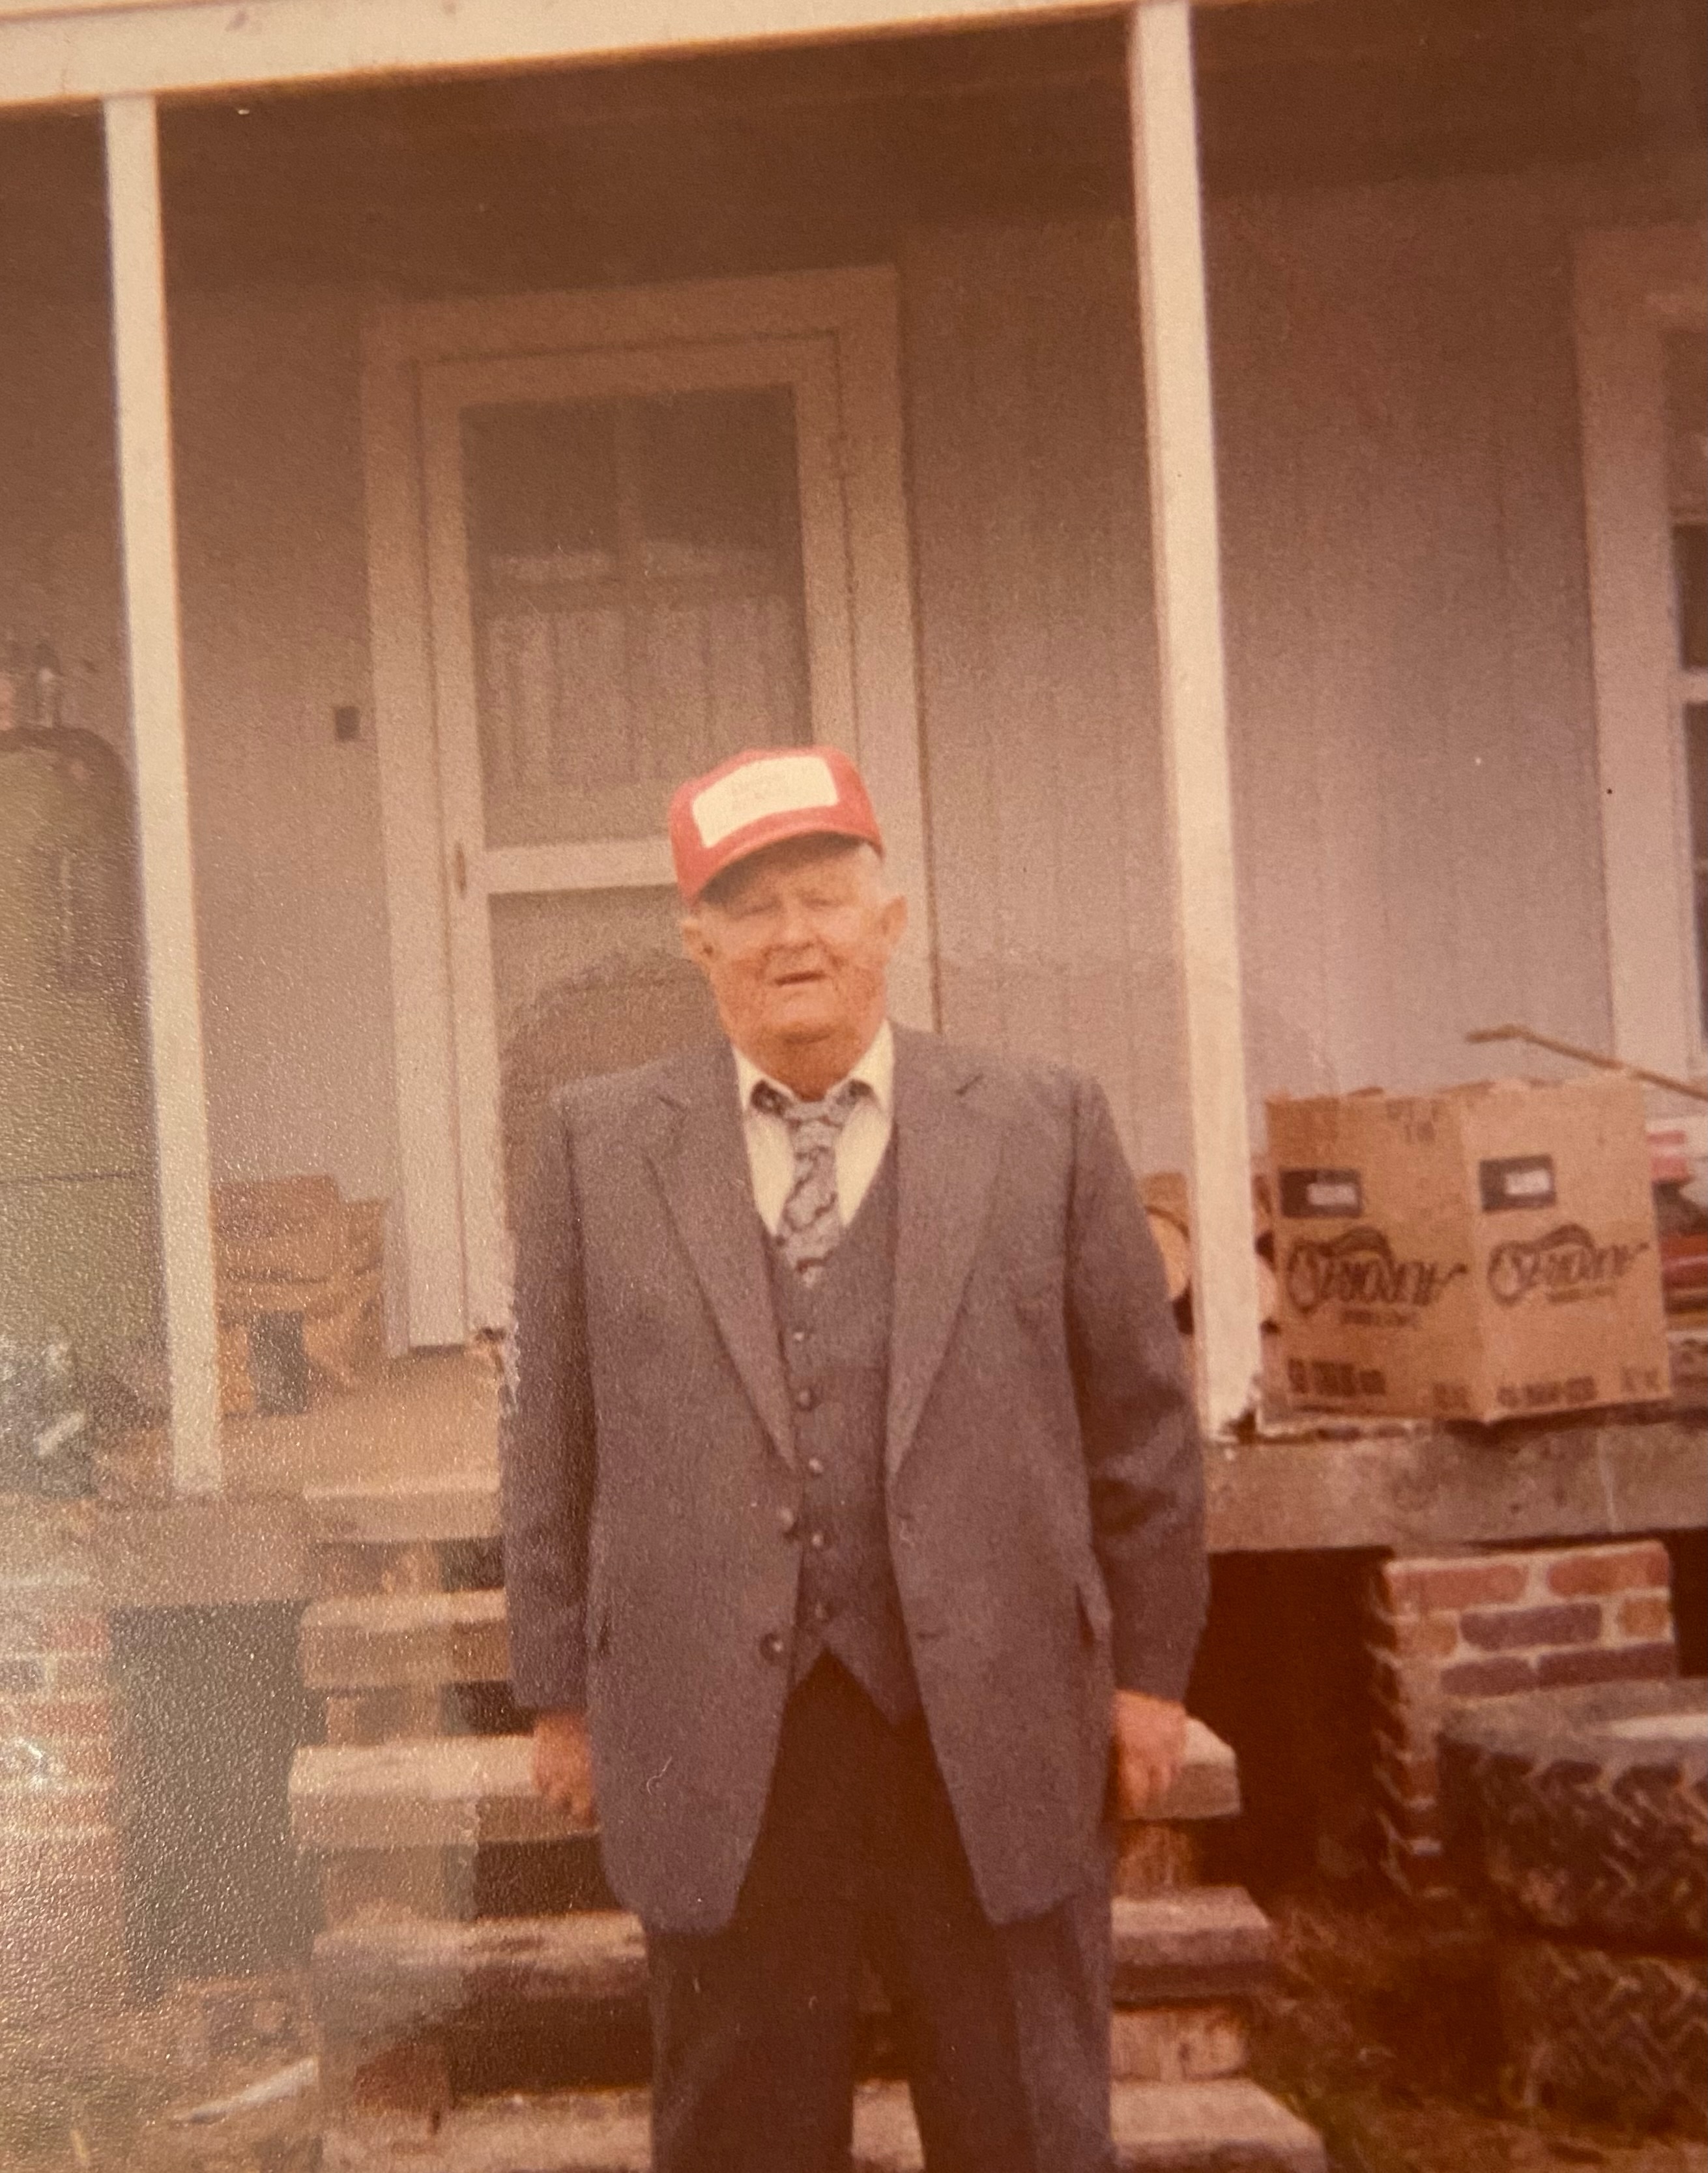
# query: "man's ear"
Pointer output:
{"type": "Point", "coordinates": [893, 920]}
{"type": "Point", "coordinates": [696, 942]}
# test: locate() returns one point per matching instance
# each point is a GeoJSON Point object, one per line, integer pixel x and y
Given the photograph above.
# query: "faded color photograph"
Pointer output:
{"type": "Point", "coordinates": [853, 1087]}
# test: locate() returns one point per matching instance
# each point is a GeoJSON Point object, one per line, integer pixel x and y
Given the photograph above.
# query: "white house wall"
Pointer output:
{"type": "Point", "coordinates": [1413, 716]}
{"type": "Point", "coordinates": [1407, 615]}
{"type": "Point", "coordinates": [1044, 775]}
{"type": "Point", "coordinates": [1413, 738]}
{"type": "Point", "coordinates": [291, 896]}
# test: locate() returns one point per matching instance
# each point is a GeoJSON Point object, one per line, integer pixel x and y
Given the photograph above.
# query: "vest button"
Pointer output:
{"type": "Point", "coordinates": [799, 1334]}
{"type": "Point", "coordinates": [805, 1398]}
{"type": "Point", "coordinates": [788, 1522]}
{"type": "Point", "coordinates": [815, 1467]}
{"type": "Point", "coordinates": [822, 1612]}
{"type": "Point", "coordinates": [818, 1541]}
{"type": "Point", "coordinates": [771, 1645]}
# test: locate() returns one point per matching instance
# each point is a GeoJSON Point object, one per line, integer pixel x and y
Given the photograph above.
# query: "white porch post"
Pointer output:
{"type": "Point", "coordinates": [144, 425]}
{"type": "Point", "coordinates": [1187, 580]}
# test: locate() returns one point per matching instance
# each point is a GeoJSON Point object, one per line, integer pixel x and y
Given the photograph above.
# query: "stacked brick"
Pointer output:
{"type": "Point", "coordinates": [61, 1924]}
{"type": "Point", "coordinates": [1459, 1629]}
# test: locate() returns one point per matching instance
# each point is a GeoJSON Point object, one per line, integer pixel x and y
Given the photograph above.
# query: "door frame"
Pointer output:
{"type": "Point", "coordinates": [1632, 287]}
{"type": "Point", "coordinates": [857, 311]}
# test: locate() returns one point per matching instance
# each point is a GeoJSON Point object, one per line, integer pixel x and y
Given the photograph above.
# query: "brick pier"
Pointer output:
{"type": "Point", "coordinates": [1447, 1630]}
{"type": "Point", "coordinates": [61, 1917]}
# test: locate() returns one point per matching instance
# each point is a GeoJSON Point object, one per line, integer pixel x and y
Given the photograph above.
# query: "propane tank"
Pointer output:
{"type": "Point", "coordinates": [79, 1272]}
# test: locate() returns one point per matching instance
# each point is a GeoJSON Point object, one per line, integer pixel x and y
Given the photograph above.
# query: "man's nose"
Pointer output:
{"type": "Point", "coordinates": [795, 927]}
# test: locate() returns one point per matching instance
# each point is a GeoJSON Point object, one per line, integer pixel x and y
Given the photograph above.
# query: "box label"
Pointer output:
{"type": "Point", "coordinates": [1563, 1267]}
{"type": "Point", "coordinates": [1335, 1193]}
{"type": "Point", "coordinates": [1360, 1270]}
{"type": "Point", "coordinates": [1546, 1395]}
{"type": "Point", "coordinates": [1516, 1181]}
{"type": "Point", "coordinates": [1334, 1378]}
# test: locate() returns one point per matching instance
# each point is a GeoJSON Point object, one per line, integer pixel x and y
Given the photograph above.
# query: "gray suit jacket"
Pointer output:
{"type": "Point", "coordinates": [1045, 1481]}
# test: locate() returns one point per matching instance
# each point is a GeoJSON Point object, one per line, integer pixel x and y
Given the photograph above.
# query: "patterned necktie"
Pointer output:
{"type": "Point", "coordinates": [812, 1217]}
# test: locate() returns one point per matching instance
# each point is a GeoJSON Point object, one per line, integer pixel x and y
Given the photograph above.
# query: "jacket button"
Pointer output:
{"type": "Point", "coordinates": [817, 1540]}
{"type": "Point", "coordinates": [771, 1645]}
{"type": "Point", "coordinates": [822, 1612]}
{"type": "Point", "coordinates": [815, 1467]}
{"type": "Point", "coordinates": [804, 1399]}
{"type": "Point", "coordinates": [788, 1522]}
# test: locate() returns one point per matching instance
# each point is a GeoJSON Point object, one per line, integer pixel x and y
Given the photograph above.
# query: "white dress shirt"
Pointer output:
{"type": "Point", "coordinates": [859, 1147]}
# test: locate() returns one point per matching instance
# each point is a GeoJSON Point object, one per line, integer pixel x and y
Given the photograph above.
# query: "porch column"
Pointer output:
{"type": "Point", "coordinates": [142, 402]}
{"type": "Point", "coordinates": [1185, 571]}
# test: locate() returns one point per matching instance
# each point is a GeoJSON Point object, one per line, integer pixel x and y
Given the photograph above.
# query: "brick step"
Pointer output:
{"type": "Point", "coordinates": [1159, 2128]}
{"type": "Point", "coordinates": [377, 1980]}
{"type": "Point", "coordinates": [396, 1639]}
{"type": "Point", "coordinates": [464, 1792]}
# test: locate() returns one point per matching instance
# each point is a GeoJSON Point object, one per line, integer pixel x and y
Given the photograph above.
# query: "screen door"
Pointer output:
{"type": "Point", "coordinates": [638, 564]}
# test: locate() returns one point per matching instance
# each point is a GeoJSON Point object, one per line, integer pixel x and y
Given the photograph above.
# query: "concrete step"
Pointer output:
{"type": "Point", "coordinates": [394, 1640]}
{"type": "Point", "coordinates": [399, 2003]}
{"type": "Point", "coordinates": [459, 1506]}
{"type": "Point", "coordinates": [380, 1979]}
{"type": "Point", "coordinates": [461, 1792]}
{"type": "Point", "coordinates": [1159, 2128]}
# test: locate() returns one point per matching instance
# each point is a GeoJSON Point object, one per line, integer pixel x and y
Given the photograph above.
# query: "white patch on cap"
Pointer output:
{"type": "Point", "coordinates": [784, 785]}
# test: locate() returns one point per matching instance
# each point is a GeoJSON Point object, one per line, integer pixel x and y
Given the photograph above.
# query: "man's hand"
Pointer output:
{"type": "Point", "coordinates": [1149, 1739]}
{"type": "Point", "coordinates": [563, 1763]}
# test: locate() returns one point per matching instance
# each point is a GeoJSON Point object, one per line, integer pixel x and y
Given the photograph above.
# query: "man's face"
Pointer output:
{"type": "Point", "coordinates": [794, 945]}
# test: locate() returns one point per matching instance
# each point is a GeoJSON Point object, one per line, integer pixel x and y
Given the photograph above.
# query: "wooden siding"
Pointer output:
{"type": "Point", "coordinates": [1044, 779]}
{"type": "Point", "coordinates": [1413, 717]}
{"type": "Point", "coordinates": [1414, 724]}
{"type": "Point", "coordinates": [290, 888]}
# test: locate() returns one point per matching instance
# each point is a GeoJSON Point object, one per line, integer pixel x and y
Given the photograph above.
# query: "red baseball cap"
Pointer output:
{"type": "Point", "coordinates": [760, 797]}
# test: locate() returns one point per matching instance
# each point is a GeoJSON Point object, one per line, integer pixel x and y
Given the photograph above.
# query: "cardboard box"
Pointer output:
{"type": "Point", "coordinates": [1484, 1253]}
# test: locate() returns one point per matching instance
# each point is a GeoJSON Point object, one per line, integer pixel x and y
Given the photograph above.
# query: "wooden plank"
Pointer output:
{"type": "Point", "coordinates": [201, 44]}
{"type": "Point", "coordinates": [1414, 1489]}
{"type": "Point", "coordinates": [873, 492]}
{"type": "Point", "coordinates": [148, 531]}
{"type": "Point", "coordinates": [401, 648]}
{"type": "Point", "coordinates": [464, 1791]}
{"type": "Point", "coordinates": [1159, 2128]}
{"type": "Point", "coordinates": [1186, 575]}
{"type": "Point", "coordinates": [386, 1640]}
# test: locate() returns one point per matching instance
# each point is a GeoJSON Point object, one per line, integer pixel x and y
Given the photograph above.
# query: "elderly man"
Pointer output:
{"type": "Point", "coordinates": [853, 1521]}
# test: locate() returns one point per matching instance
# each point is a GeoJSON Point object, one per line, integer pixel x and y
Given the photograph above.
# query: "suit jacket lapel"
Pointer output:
{"type": "Point", "coordinates": [701, 1162]}
{"type": "Point", "coordinates": [946, 1163]}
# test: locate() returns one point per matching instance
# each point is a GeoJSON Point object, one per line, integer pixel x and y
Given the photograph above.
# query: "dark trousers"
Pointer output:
{"type": "Point", "coordinates": [1005, 2030]}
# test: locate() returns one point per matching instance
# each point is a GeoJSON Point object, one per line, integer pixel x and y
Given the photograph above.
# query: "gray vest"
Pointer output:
{"type": "Point", "coordinates": [835, 1335]}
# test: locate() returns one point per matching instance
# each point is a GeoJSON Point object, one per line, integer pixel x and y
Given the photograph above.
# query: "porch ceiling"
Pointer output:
{"type": "Point", "coordinates": [770, 160]}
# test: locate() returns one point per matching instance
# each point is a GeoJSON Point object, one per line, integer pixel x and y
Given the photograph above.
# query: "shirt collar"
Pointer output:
{"type": "Point", "coordinates": [876, 1070]}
